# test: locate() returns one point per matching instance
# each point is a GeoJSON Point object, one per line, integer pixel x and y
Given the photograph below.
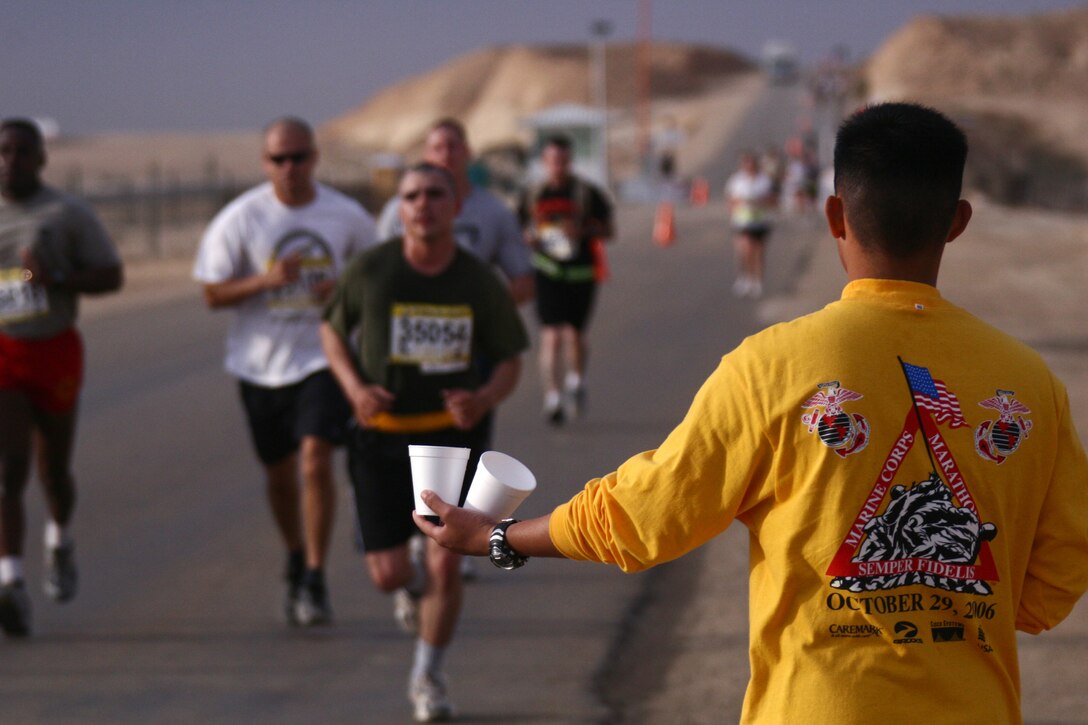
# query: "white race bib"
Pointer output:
{"type": "Point", "coordinates": [437, 338]}
{"type": "Point", "coordinates": [556, 243]}
{"type": "Point", "coordinates": [19, 299]}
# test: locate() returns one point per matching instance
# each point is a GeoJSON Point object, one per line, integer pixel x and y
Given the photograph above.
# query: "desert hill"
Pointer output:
{"type": "Point", "coordinates": [1017, 84]}
{"type": "Point", "coordinates": [491, 90]}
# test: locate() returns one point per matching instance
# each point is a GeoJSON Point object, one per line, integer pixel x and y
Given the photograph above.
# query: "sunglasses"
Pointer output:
{"type": "Point", "coordinates": [295, 158]}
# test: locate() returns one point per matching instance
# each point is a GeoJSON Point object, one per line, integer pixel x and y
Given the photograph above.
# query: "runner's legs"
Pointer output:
{"type": "Point", "coordinates": [283, 497]}
{"type": "Point", "coordinates": [318, 499]}
{"type": "Point", "coordinates": [54, 440]}
{"type": "Point", "coordinates": [16, 424]}
{"type": "Point", "coordinates": [441, 603]}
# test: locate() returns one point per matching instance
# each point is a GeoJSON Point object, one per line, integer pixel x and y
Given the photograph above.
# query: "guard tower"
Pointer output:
{"type": "Point", "coordinates": [584, 126]}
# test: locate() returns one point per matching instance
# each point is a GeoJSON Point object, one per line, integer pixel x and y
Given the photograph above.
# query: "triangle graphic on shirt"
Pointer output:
{"type": "Point", "coordinates": [928, 532]}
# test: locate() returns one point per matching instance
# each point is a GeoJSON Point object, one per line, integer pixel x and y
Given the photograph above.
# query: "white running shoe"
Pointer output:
{"type": "Point", "coordinates": [429, 700]}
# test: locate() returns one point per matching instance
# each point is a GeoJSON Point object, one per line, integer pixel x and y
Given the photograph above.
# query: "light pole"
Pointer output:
{"type": "Point", "coordinates": [599, 91]}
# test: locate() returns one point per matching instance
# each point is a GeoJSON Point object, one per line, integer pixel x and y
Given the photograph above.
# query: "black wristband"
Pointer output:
{"type": "Point", "coordinates": [501, 554]}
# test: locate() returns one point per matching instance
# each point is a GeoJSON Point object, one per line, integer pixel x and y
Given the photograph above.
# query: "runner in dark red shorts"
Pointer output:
{"type": "Point", "coordinates": [52, 249]}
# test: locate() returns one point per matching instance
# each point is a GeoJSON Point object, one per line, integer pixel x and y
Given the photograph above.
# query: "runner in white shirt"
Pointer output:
{"type": "Point", "coordinates": [749, 194]}
{"type": "Point", "coordinates": [273, 256]}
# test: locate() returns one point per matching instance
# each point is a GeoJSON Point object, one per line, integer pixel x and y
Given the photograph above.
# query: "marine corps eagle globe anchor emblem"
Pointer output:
{"type": "Point", "coordinates": [996, 440]}
{"type": "Point", "coordinates": [838, 430]}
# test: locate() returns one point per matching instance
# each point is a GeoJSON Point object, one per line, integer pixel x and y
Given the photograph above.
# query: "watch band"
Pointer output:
{"type": "Point", "coordinates": [501, 554]}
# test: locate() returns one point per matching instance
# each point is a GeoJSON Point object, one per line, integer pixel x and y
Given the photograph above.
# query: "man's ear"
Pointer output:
{"type": "Point", "coordinates": [836, 223]}
{"type": "Point", "coordinates": [959, 219]}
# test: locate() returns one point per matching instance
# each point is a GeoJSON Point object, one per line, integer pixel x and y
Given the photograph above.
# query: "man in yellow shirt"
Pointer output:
{"type": "Point", "coordinates": [913, 486]}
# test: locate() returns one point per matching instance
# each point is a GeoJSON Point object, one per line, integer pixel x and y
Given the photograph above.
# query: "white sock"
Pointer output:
{"type": "Point", "coordinates": [428, 659]}
{"type": "Point", "coordinates": [573, 381]}
{"type": "Point", "coordinates": [56, 535]}
{"type": "Point", "coordinates": [11, 569]}
{"type": "Point", "coordinates": [551, 399]}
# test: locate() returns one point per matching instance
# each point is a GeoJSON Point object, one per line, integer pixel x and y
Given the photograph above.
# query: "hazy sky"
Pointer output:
{"type": "Point", "coordinates": [119, 65]}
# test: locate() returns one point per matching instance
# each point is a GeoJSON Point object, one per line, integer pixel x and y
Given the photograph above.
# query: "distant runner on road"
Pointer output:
{"type": "Point", "coordinates": [750, 196]}
{"type": "Point", "coordinates": [911, 479]}
{"type": "Point", "coordinates": [52, 250]}
{"type": "Point", "coordinates": [273, 256]}
{"type": "Point", "coordinates": [564, 217]}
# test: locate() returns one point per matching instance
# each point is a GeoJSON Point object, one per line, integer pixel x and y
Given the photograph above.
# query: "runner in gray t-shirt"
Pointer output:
{"type": "Point", "coordinates": [52, 250]}
{"type": "Point", "coordinates": [484, 226]}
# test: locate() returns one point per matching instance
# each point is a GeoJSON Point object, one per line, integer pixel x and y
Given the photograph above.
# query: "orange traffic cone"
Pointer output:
{"type": "Point", "coordinates": [664, 225]}
{"type": "Point", "coordinates": [700, 192]}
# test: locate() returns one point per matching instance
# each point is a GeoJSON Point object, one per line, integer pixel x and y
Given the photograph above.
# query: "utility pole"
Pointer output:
{"type": "Point", "coordinates": [645, 17]}
{"type": "Point", "coordinates": [599, 91]}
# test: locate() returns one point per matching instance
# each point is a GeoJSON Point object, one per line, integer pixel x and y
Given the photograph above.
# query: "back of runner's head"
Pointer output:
{"type": "Point", "coordinates": [899, 172]}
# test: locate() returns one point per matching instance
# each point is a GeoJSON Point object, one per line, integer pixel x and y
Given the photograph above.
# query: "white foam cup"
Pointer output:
{"type": "Point", "coordinates": [440, 469]}
{"type": "Point", "coordinates": [501, 483]}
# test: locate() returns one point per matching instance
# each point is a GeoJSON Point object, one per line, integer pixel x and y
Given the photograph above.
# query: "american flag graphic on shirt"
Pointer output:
{"type": "Point", "coordinates": [934, 396]}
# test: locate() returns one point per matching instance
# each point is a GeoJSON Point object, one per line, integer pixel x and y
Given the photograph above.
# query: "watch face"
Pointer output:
{"type": "Point", "coordinates": [499, 551]}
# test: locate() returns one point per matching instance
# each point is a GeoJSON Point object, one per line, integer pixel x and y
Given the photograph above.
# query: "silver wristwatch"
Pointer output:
{"type": "Point", "coordinates": [501, 554]}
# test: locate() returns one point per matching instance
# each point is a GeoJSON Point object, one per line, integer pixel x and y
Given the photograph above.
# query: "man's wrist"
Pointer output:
{"type": "Point", "coordinates": [500, 552]}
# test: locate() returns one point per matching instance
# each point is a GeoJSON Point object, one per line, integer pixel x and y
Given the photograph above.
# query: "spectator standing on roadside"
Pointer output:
{"type": "Point", "coordinates": [564, 217]}
{"type": "Point", "coordinates": [912, 482]}
{"type": "Point", "coordinates": [404, 333]}
{"type": "Point", "coordinates": [52, 250]}
{"type": "Point", "coordinates": [273, 256]}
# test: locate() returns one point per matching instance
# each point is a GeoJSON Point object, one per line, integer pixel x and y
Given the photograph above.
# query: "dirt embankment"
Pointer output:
{"type": "Point", "coordinates": [1017, 85]}
{"type": "Point", "coordinates": [492, 90]}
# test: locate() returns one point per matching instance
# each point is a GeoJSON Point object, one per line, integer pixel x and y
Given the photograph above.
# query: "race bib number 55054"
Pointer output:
{"type": "Point", "coordinates": [437, 338]}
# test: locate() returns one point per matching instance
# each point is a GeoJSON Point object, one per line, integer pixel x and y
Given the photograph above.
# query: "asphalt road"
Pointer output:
{"type": "Point", "coordinates": [178, 617]}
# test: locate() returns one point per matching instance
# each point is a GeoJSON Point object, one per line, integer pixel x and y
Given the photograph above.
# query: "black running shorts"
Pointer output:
{"type": "Point", "coordinates": [381, 474]}
{"type": "Point", "coordinates": [564, 303]}
{"type": "Point", "coordinates": [279, 418]}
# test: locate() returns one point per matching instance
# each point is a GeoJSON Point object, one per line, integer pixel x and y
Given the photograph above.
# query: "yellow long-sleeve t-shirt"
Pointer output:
{"type": "Point", "coordinates": [887, 576]}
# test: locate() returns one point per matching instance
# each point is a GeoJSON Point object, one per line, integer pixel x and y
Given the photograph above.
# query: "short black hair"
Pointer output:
{"type": "Point", "coordinates": [426, 167]}
{"type": "Point", "coordinates": [558, 141]}
{"type": "Point", "coordinates": [899, 172]}
{"type": "Point", "coordinates": [26, 126]}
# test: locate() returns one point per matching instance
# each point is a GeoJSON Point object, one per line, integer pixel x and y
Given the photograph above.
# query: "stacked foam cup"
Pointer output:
{"type": "Point", "coordinates": [499, 486]}
{"type": "Point", "coordinates": [501, 483]}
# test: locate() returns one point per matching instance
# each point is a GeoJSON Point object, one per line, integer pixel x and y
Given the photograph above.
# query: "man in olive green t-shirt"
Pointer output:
{"type": "Point", "coordinates": [403, 332]}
